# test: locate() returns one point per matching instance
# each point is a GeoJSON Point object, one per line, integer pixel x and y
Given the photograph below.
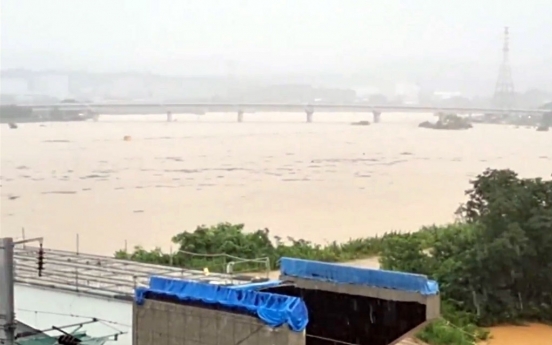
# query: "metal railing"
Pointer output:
{"type": "Point", "coordinates": [107, 276]}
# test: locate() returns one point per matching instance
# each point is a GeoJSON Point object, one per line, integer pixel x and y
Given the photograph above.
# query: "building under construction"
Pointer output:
{"type": "Point", "coordinates": [312, 303]}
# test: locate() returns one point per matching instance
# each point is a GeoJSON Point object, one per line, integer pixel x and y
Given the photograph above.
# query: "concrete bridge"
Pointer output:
{"type": "Point", "coordinates": [241, 109]}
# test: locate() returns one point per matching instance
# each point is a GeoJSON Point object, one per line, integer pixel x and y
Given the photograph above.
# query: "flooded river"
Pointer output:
{"type": "Point", "coordinates": [533, 334]}
{"type": "Point", "coordinates": [321, 181]}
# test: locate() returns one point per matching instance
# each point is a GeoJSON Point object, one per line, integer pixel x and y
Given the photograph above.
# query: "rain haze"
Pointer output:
{"type": "Point", "coordinates": [316, 119]}
{"type": "Point", "coordinates": [424, 40]}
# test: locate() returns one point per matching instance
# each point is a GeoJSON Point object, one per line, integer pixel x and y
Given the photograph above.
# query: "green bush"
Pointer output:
{"type": "Point", "coordinates": [213, 247]}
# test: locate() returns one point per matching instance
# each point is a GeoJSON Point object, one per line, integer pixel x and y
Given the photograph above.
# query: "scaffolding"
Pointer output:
{"type": "Point", "coordinates": [102, 275]}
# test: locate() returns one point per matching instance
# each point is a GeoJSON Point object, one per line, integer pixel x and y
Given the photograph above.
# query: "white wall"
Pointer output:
{"type": "Point", "coordinates": [32, 306]}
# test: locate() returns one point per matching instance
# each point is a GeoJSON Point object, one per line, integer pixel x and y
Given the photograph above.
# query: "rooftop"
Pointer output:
{"type": "Point", "coordinates": [101, 275]}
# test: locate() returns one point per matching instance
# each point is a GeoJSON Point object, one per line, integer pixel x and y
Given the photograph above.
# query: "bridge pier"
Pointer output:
{"type": "Point", "coordinates": [169, 116]}
{"type": "Point", "coordinates": [309, 115]}
{"type": "Point", "coordinates": [309, 110]}
{"type": "Point", "coordinates": [240, 115]}
{"type": "Point", "coordinates": [377, 116]}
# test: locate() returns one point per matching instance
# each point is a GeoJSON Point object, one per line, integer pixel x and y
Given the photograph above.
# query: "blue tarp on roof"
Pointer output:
{"type": "Point", "coordinates": [334, 273]}
{"type": "Point", "coordinates": [273, 309]}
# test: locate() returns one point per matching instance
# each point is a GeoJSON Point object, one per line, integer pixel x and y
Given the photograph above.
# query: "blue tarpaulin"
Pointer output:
{"type": "Point", "coordinates": [273, 309]}
{"type": "Point", "coordinates": [334, 273]}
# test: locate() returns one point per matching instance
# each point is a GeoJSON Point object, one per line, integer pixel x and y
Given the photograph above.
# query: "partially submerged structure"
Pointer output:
{"type": "Point", "coordinates": [447, 121]}
{"type": "Point", "coordinates": [312, 303]}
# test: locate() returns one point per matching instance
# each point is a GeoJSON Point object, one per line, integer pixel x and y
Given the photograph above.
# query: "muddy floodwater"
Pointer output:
{"type": "Point", "coordinates": [533, 334]}
{"type": "Point", "coordinates": [322, 181]}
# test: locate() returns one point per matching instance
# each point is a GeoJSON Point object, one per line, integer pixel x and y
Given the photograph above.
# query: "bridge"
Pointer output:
{"type": "Point", "coordinates": [241, 109]}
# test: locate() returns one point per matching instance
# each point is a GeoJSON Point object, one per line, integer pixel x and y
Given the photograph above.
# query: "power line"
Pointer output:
{"type": "Point", "coordinates": [75, 315]}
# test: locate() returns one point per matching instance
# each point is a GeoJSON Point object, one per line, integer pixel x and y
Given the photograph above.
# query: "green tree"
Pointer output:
{"type": "Point", "coordinates": [512, 258]}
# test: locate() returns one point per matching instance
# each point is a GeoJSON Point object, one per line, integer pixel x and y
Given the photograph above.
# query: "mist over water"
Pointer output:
{"type": "Point", "coordinates": [322, 181]}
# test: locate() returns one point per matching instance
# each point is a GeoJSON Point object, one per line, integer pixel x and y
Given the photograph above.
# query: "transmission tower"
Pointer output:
{"type": "Point", "coordinates": [504, 90]}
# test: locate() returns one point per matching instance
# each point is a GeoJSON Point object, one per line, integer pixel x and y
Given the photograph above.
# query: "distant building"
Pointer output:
{"type": "Point", "coordinates": [367, 91]}
{"type": "Point", "coordinates": [52, 85]}
{"type": "Point", "coordinates": [129, 87]}
{"type": "Point", "coordinates": [444, 95]}
{"type": "Point", "coordinates": [408, 93]}
{"type": "Point", "coordinates": [14, 86]}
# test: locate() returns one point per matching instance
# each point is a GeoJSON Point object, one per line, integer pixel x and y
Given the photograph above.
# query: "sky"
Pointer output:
{"type": "Point", "coordinates": [271, 37]}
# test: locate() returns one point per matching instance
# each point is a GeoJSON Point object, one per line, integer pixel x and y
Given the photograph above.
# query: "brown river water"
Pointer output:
{"type": "Point", "coordinates": [533, 334]}
{"type": "Point", "coordinates": [321, 181]}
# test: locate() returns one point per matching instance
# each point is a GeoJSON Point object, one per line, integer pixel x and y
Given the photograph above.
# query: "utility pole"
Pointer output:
{"type": "Point", "coordinates": [504, 97]}
{"type": "Point", "coordinates": [7, 311]}
{"type": "Point", "coordinates": [7, 283]}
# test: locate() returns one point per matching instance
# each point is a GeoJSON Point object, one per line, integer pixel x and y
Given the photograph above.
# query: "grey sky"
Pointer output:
{"type": "Point", "coordinates": [201, 36]}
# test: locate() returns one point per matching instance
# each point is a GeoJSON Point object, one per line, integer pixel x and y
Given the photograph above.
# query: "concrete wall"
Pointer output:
{"type": "Point", "coordinates": [432, 302]}
{"type": "Point", "coordinates": [164, 323]}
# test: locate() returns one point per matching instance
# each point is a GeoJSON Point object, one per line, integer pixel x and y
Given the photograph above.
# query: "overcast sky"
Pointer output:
{"type": "Point", "coordinates": [262, 36]}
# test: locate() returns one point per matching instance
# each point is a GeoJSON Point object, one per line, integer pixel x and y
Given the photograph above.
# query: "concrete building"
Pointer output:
{"type": "Point", "coordinates": [14, 86]}
{"type": "Point", "coordinates": [408, 93]}
{"type": "Point", "coordinates": [312, 303]}
{"type": "Point", "coordinates": [444, 95]}
{"type": "Point", "coordinates": [53, 85]}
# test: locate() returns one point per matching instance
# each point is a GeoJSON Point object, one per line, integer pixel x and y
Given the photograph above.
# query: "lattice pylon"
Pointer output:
{"type": "Point", "coordinates": [504, 96]}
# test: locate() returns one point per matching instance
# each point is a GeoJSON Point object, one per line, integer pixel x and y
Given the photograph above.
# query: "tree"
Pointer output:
{"type": "Point", "coordinates": [497, 264]}
{"type": "Point", "coordinates": [512, 255]}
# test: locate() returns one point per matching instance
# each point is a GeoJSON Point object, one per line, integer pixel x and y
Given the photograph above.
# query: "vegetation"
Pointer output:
{"type": "Point", "coordinates": [361, 123]}
{"type": "Point", "coordinates": [493, 266]}
{"type": "Point", "coordinates": [204, 247]}
{"type": "Point", "coordinates": [448, 121]}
